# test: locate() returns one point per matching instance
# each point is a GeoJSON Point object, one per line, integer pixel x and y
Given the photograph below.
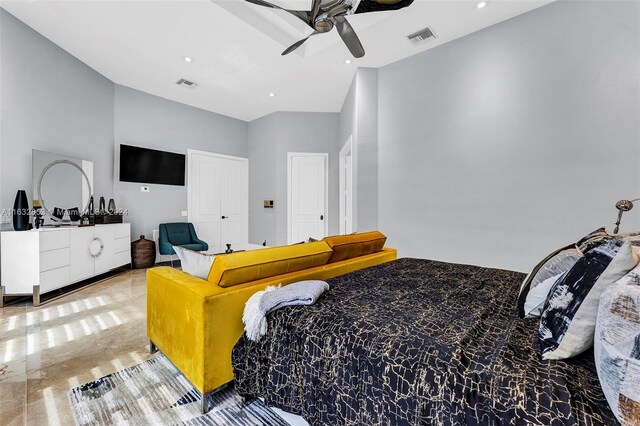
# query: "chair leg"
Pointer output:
{"type": "Point", "coordinates": [171, 260]}
{"type": "Point", "coordinates": [152, 347]}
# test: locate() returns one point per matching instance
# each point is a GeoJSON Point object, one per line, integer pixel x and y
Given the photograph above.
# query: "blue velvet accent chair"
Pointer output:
{"type": "Point", "coordinates": [181, 234]}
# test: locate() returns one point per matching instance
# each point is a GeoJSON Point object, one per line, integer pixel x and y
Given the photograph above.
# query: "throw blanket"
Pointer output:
{"type": "Point", "coordinates": [272, 298]}
{"type": "Point", "coordinates": [417, 342]}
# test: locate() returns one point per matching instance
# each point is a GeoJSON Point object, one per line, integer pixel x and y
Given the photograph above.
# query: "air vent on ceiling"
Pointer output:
{"type": "Point", "coordinates": [186, 83]}
{"type": "Point", "coordinates": [421, 36]}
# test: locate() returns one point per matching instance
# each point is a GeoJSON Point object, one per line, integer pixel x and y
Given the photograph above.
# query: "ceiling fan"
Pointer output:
{"type": "Point", "coordinates": [326, 14]}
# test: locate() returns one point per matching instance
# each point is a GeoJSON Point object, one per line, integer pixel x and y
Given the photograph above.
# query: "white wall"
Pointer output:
{"type": "Point", "coordinates": [270, 138]}
{"type": "Point", "coordinates": [359, 120]}
{"type": "Point", "coordinates": [145, 120]}
{"type": "Point", "coordinates": [52, 102]}
{"type": "Point", "coordinates": [499, 147]}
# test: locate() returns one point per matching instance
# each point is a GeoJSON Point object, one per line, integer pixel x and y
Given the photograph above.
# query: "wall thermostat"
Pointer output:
{"type": "Point", "coordinates": [268, 204]}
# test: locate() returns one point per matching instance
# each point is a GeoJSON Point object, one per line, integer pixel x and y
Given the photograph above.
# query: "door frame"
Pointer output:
{"type": "Point", "coordinates": [348, 149]}
{"type": "Point", "coordinates": [188, 171]}
{"type": "Point", "coordinates": [290, 155]}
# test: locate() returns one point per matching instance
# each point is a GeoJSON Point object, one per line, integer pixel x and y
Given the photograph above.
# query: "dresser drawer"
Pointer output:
{"type": "Point", "coordinates": [53, 240]}
{"type": "Point", "coordinates": [54, 259]}
{"type": "Point", "coordinates": [122, 244]}
{"type": "Point", "coordinates": [55, 278]}
{"type": "Point", "coordinates": [122, 258]}
{"type": "Point", "coordinates": [122, 230]}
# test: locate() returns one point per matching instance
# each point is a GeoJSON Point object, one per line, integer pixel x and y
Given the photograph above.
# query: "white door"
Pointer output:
{"type": "Point", "coordinates": [218, 199]}
{"type": "Point", "coordinates": [307, 200]}
{"type": "Point", "coordinates": [234, 202]}
{"type": "Point", "coordinates": [204, 198]}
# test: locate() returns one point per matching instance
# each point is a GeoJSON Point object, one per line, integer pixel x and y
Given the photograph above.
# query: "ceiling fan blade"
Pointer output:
{"type": "Point", "coordinates": [381, 5]}
{"type": "Point", "coordinates": [297, 44]}
{"type": "Point", "coordinates": [302, 15]}
{"type": "Point", "coordinates": [349, 37]}
{"type": "Point", "coordinates": [265, 4]}
{"type": "Point", "coordinates": [315, 9]}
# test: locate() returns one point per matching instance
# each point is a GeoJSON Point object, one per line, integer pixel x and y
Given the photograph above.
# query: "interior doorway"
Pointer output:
{"type": "Point", "coordinates": [218, 198]}
{"type": "Point", "coordinates": [307, 196]}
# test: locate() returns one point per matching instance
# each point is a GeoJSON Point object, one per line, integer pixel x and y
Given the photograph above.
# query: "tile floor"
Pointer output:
{"type": "Point", "coordinates": [45, 351]}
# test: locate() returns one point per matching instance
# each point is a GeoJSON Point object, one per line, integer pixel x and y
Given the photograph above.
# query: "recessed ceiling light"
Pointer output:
{"type": "Point", "coordinates": [348, 61]}
{"type": "Point", "coordinates": [481, 4]}
{"type": "Point", "coordinates": [187, 59]}
{"type": "Point", "coordinates": [272, 95]}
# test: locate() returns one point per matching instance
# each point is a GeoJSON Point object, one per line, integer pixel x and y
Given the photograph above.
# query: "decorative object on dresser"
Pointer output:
{"type": "Point", "coordinates": [21, 211]}
{"type": "Point", "coordinates": [112, 206]}
{"type": "Point", "coordinates": [107, 218]}
{"type": "Point", "coordinates": [38, 211]}
{"type": "Point", "coordinates": [39, 261]}
{"type": "Point", "coordinates": [623, 206]}
{"type": "Point", "coordinates": [143, 253]}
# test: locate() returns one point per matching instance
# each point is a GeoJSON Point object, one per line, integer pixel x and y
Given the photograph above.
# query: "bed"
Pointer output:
{"type": "Point", "coordinates": [417, 342]}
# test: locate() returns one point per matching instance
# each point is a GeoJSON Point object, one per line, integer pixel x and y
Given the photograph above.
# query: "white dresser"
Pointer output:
{"type": "Point", "coordinates": [38, 261]}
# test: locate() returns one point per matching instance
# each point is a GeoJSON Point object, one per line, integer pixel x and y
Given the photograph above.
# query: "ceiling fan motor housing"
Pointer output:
{"type": "Point", "coordinates": [323, 24]}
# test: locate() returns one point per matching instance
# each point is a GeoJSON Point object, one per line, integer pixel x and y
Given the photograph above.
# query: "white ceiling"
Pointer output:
{"type": "Point", "coordinates": [236, 46]}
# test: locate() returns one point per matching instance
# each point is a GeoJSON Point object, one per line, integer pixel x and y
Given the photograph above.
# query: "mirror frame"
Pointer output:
{"type": "Point", "coordinates": [46, 169]}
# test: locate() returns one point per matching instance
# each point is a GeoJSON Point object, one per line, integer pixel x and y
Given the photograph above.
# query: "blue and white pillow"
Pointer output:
{"type": "Point", "coordinates": [532, 288]}
{"type": "Point", "coordinates": [617, 347]}
{"type": "Point", "coordinates": [568, 320]}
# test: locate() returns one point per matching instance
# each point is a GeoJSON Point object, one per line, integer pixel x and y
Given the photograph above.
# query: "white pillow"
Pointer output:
{"type": "Point", "coordinates": [538, 295]}
{"type": "Point", "coordinates": [195, 263]}
{"type": "Point", "coordinates": [617, 346]}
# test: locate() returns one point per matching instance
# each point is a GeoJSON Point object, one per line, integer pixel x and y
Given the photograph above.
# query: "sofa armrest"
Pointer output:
{"type": "Point", "coordinates": [175, 319]}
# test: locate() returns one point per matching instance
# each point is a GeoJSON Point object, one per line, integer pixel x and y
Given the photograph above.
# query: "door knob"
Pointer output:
{"type": "Point", "coordinates": [224, 217]}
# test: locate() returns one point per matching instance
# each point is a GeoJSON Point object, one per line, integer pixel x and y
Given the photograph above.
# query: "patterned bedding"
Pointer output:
{"type": "Point", "coordinates": [417, 342]}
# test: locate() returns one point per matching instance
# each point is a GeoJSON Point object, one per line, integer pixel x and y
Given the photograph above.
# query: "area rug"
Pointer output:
{"type": "Point", "coordinates": [156, 393]}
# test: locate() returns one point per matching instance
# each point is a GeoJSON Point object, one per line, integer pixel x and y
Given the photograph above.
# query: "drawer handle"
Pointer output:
{"type": "Point", "coordinates": [96, 246]}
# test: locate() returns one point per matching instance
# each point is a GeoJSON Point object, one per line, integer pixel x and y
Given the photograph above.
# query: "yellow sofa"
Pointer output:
{"type": "Point", "coordinates": [196, 322]}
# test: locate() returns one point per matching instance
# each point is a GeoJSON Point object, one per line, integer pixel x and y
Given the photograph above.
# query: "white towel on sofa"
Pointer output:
{"type": "Point", "coordinates": [276, 297]}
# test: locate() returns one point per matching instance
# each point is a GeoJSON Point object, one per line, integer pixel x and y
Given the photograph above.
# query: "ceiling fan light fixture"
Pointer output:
{"type": "Point", "coordinates": [347, 61]}
{"type": "Point", "coordinates": [272, 95]}
{"type": "Point", "coordinates": [187, 59]}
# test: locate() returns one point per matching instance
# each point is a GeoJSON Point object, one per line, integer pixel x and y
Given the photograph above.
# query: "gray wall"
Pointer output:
{"type": "Point", "coordinates": [53, 102]}
{"type": "Point", "coordinates": [149, 121]}
{"type": "Point", "coordinates": [503, 145]}
{"type": "Point", "coordinates": [359, 119]}
{"type": "Point", "coordinates": [270, 138]}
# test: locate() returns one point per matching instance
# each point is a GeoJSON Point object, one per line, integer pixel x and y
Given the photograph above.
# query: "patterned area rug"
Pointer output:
{"type": "Point", "coordinates": [156, 393]}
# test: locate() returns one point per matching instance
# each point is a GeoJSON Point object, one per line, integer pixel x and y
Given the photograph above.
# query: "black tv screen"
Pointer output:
{"type": "Point", "coordinates": [144, 165]}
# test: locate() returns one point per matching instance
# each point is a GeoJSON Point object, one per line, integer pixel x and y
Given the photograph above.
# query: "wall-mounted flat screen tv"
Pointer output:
{"type": "Point", "coordinates": [144, 165]}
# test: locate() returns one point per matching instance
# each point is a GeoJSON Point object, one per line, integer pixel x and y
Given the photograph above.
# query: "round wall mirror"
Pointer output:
{"type": "Point", "coordinates": [60, 189]}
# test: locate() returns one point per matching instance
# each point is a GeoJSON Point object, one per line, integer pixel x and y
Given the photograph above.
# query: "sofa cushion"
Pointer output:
{"type": "Point", "coordinates": [355, 245]}
{"type": "Point", "coordinates": [242, 267]}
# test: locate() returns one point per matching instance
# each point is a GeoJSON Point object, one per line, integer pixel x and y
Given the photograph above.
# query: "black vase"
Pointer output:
{"type": "Point", "coordinates": [21, 212]}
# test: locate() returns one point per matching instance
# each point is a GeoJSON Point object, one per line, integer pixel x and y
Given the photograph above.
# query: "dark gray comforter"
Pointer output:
{"type": "Point", "coordinates": [417, 342]}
